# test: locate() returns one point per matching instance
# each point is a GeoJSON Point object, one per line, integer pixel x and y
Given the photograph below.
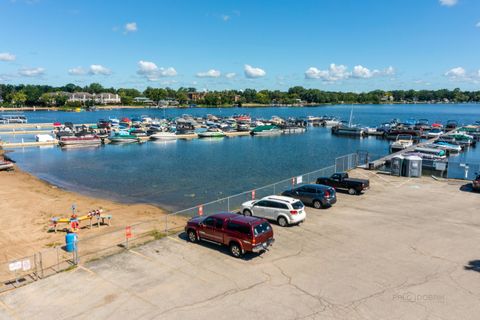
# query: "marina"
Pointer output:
{"type": "Point", "coordinates": [161, 148]}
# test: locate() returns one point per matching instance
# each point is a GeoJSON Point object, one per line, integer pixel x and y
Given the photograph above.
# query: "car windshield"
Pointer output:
{"type": "Point", "coordinates": [261, 228]}
{"type": "Point", "coordinates": [297, 205]}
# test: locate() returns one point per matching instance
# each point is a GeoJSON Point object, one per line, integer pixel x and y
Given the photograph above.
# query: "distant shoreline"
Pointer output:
{"type": "Point", "coordinates": [246, 105]}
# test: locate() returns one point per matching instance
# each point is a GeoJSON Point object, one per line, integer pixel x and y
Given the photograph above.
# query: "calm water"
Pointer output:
{"type": "Point", "coordinates": [180, 174]}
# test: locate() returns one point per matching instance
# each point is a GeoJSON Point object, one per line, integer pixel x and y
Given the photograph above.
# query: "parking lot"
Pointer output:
{"type": "Point", "coordinates": [407, 249]}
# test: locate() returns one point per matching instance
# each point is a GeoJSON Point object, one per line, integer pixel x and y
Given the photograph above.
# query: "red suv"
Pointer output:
{"type": "Point", "coordinates": [240, 233]}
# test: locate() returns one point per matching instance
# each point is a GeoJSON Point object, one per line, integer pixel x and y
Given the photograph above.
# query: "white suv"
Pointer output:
{"type": "Point", "coordinates": [284, 210]}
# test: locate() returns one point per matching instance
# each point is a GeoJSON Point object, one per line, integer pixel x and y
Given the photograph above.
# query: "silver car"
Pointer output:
{"type": "Point", "coordinates": [284, 210]}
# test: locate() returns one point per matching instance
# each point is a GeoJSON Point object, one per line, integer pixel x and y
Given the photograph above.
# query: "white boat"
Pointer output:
{"type": "Point", "coordinates": [434, 133]}
{"type": "Point", "coordinates": [6, 165]}
{"type": "Point", "coordinates": [44, 138]}
{"type": "Point", "coordinates": [164, 136]}
{"type": "Point", "coordinates": [401, 143]}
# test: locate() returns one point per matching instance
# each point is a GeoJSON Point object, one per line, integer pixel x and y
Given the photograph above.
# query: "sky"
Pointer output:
{"type": "Point", "coordinates": [339, 45]}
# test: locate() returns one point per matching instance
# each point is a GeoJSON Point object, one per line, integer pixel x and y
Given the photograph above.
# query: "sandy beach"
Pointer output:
{"type": "Point", "coordinates": [28, 203]}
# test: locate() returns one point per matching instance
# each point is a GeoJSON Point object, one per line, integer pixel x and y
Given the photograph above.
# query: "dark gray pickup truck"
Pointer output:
{"type": "Point", "coordinates": [342, 181]}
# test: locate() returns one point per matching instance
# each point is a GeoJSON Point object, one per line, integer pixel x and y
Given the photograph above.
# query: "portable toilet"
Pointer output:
{"type": "Point", "coordinates": [397, 165]}
{"type": "Point", "coordinates": [413, 166]}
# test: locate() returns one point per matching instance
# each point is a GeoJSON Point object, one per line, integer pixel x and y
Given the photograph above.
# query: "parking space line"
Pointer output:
{"type": "Point", "coordinates": [175, 239]}
{"type": "Point", "coordinates": [86, 269]}
{"type": "Point", "coordinates": [140, 254]}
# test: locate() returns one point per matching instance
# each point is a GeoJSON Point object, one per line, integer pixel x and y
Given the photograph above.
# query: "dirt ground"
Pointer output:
{"type": "Point", "coordinates": [27, 204]}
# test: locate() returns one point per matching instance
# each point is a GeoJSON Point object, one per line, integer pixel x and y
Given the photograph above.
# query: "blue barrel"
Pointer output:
{"type": "Point", "coordinates": [70, 241]}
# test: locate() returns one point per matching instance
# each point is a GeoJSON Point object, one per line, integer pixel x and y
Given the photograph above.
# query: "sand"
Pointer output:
{"type": "Point", "coordinates": [27, 204]}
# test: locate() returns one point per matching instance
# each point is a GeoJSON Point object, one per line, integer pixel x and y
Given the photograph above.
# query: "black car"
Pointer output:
{"type": "Point", "coordinates": [341, 180]}
{"type": "Point", "coordinates": [316, 195]}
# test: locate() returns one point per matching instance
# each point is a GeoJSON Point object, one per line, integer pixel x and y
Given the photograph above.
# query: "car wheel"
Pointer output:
{"type": "Point", "coordinates": [282, 222]}
{"type": "Point", "coordinates": [317, 204]}
{"type": "Point", "coordinates": [247, 212]}
{"type": "Point", "coordinates": [235, 250]}
{"type": "Point", "coordinates": [192, 236]}
{"type": "Point", "coordinates": [352, 191]}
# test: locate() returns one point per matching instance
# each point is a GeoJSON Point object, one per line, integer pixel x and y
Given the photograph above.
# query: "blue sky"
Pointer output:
{"type": "Point", "coordinates": [347, 45]}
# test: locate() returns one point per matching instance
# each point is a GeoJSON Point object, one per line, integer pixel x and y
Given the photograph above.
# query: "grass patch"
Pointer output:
{"type": "Point", "coordinates": [157, 235]}
{"type": "Point", "coordinates": [52, 244]}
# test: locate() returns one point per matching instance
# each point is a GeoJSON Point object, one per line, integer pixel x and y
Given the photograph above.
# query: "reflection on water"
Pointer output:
{"type": "Point", "coordinates": [181, 173]}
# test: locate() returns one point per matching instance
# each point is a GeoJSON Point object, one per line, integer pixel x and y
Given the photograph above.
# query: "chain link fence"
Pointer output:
{"type": "Point", "coordinates": [57, 259]}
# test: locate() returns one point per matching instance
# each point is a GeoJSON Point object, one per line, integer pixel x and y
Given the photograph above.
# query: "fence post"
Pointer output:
{"type": "Point", "coordinates": [58, 261]}
{"type": "Point", "coordinates": [228, 204]}
{"type": "Point", "coordinates": [166, 224]}
{"type": "Point", "coordinates": [41, 263]}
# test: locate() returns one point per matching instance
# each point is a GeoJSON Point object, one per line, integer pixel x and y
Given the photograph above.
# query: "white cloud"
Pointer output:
{"type": "Point", "coordinates": [77, 71]}
{"type": "Point", "coordinates": [456, 73]}
{"type": "Point", "coordinates": [230, 75]}
{"type": "Point", "coordinates": [99, 69]}
{"type": "Point", "coordinates": [131, 27]}
{"type": "Point", "coordinates": [6, 56]}
{"type": "Point", "coordinates": [152, 72]}
{"type": "Point", "coordinates": [212, 73]}
{"type": "Point", "coordinates": [340, 72]}
{"type": "Point", "coordinates": [225, 17]}
{"type": "Point", "coordinates": [253, 72]}
{"type": "Point", "coordinates": [31, 72]}
{"type": "Point", "coordinates": [478, 24]}
{"type": "Point", "coordinates": [334, 73]}
{"type": "Point", "coordinates": [363, 72]}
{"type": "Point", "coordinates": [448, 3]}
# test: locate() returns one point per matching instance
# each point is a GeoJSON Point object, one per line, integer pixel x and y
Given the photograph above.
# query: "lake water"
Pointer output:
{"type": "Point", "coordinates": [180, 174]}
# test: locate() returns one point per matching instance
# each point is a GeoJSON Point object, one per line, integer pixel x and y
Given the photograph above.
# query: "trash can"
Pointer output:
{"type": "Point", "coordinates": [70, 241]}
{"type": "Point", "coordinates": [397, 165]}
{"type": "Point", "coordinates": [413, 166]}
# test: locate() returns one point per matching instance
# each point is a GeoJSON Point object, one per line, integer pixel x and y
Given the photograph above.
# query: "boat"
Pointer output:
{"type": "Point", "coordinates": [243, 127]}
{"type": "Point", "coordinates": [348, 129]}
{"type": "Point", "coordinates": [402, 142]}
{"type": "Point", "coordinates": [460, 138]}
{"type": "Point", "coordinates": [13, 118]}
{"type": "Point", "coordinates": [451, 125]}
{"type": "Point", "coordinates": [124, 137]}
{"type": "Point", "coordinates": [330, 121]}
{"type": "Point", "coordinates": [434, 133]}
{"type": "Point", "coordinates": [212, 133]}
{"type": "Point", "coordinates": [428, 153]}
{"type": "Point", "coordinates": [266, 130]}
{"type": "Point", "coordinates": [137, 132]}
{"type": "Point", "coordinates": [84, 140]}
{"type": "Point", "coordinates": [448, 147]}
{"type": "Point", "coordinates": [6, 165]}
{"type": "Point", "coordinates": [164, 135]}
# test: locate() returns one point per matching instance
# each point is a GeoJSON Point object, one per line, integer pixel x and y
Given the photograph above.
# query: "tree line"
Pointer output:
{"type": "Point", "coordinates": [44, 95]}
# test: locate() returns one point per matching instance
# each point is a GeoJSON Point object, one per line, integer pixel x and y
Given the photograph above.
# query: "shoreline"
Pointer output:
{"type": "Point", "coordinates": [246, 105]}
{"type": "Point", "coordinates": [29, 202]}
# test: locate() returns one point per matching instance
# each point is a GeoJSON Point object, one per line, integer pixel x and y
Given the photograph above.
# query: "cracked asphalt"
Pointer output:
{"type": "Point", "coordinates": [406, 249]}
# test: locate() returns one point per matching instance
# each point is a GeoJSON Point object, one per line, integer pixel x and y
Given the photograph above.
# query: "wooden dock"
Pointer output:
{"type": "Point", "coordinates": [15, 132]}
{"type": "Point", "coordinates": [7, 145]}
{"type": "Point", "coordinates": [373, 165]}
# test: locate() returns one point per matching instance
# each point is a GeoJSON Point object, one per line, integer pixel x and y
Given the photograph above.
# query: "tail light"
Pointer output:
{"type": "Point", "coordinates": [293, 211]}
{"type": "Point", "coordinates": [254, 240]}
{"type": "Point", "coordinates": [327, 194]}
